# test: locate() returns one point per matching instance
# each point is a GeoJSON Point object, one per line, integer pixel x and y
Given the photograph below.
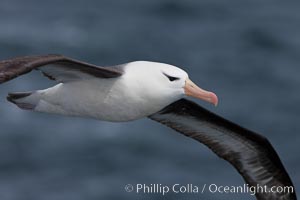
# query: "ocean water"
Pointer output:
{"type": "Point", "coordinates": [247, 52]}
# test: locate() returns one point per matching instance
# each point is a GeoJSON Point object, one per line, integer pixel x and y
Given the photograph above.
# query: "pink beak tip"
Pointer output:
{"type": "Point", "coordinates": [214, 98]}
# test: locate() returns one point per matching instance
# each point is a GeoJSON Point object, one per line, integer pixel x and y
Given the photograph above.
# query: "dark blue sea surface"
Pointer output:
{"type": "Point", "coordinates": [247, 52]}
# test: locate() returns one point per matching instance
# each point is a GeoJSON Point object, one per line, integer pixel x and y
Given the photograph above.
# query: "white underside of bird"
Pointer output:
{"type": "Point", "coordinates": [141, 91]}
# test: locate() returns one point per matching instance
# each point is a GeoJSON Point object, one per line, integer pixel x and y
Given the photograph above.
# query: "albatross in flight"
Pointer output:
{"type": "Point", "coordinates": [155, 90]}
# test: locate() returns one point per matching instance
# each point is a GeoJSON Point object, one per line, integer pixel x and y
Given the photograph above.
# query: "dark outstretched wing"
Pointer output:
{"type": "Point", "coordinates": [250, 153]}
{"type": "Point", "coordinates": [55, 67]}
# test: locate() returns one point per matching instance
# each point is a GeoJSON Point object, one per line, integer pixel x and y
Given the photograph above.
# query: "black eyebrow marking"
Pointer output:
{"type": "Point", "coordinates": [171, 78]}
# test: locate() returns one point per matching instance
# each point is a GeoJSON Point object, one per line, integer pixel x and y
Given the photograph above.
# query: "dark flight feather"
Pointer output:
{"type": "Point", "coordinates": [250, 153]}
{"type": "Point", "coordinates": [55, 67]}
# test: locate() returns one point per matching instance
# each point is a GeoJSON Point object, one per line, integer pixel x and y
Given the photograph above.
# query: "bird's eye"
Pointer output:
{"type": "Point", "coordinates": [171, 78]}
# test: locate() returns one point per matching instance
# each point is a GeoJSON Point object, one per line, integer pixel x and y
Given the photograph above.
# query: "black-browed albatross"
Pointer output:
{"type": "Point", "coordinates": [149, 89]}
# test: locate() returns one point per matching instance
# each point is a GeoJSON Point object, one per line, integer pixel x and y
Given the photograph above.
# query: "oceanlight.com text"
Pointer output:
{"type": "Point", "coordinates": [177, 188]}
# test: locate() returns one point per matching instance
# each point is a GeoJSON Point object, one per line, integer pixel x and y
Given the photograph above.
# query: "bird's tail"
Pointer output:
{"type": "Point", "coordinates": [24, 100]}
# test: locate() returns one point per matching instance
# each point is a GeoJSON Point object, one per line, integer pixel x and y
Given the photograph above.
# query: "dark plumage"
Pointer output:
{"type": "Point", "coordinates": [15, 67]}
{"type": "Point", "coordinates": [250, 153]}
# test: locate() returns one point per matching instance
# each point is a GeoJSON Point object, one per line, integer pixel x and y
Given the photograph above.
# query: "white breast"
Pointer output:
{"type": "Point", "coordinates": [104, 99]}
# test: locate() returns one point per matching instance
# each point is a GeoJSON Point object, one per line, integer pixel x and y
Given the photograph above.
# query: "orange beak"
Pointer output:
{"type": "Point", "coordinates": [191, 89]}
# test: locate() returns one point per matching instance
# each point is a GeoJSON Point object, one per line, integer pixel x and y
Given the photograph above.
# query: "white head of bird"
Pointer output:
{"type": "Point", "coordinates": [153, 86]}
{"type": "Point", "coordinates": [158, 80]}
